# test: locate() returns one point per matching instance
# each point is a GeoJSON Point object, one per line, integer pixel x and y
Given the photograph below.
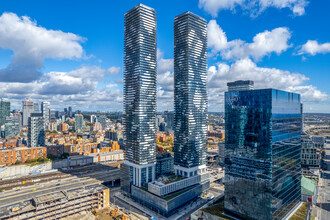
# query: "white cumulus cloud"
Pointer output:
{"type": "Point", "coordinates": [111, 85]}
{"type": "Point", "coordinates": [114, 70]}
{"type": "Point", "coordinates": [246, 69]}
{"type": "Point", "coordinates": [165, 75]}
{"type": "Point", "coordinates": [31, 44]}
{"type": "Point", "coordinates": [77, 81]}
{"type": "Point", "coordinates": [79, 88]}
{"type": "Point", "coordinates": [263, 44]}
{"type": "Point", "coordinates": [253, 7]}
{"type": "Point", "coordinates": [312, 47]}
{"type": "Point", "coordinates": [216, 37]}
{"type": "Point", "coordinates": [165, 81]}
{"type": "Point", "coordinates": [214, 6]}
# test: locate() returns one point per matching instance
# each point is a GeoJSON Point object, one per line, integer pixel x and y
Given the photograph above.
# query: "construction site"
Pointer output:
{"type": "Point", "coordinates": [58, 194]}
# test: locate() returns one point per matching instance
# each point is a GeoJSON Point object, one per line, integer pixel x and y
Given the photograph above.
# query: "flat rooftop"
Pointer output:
{"type": "Point", "coordinates": [25, 198]}
{"type": "Point", "coordinates": [27, 193]}
{"type": "Point", "coordinates": [169, 179]}
{"type": "Point", "coordinates": [51, 185]}
{"type": "Point", "coordinates": [49, 197]}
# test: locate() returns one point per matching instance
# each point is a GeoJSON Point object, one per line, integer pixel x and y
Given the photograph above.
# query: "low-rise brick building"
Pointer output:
{"type": "Point", "coordinates": [216, 134]}
{"type": "Point", "coordinates": [106, 147]}
{"type": "Point", "coordinates": [21, 154]}
{"type": "Point", "coordinates": [76, 149]}
{"type": "Point", "coordinates": [55, 150]}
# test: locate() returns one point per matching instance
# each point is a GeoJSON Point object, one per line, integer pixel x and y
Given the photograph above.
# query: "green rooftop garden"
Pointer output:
{"type": "Point", "coordinates": [175, 194]}
{"type": "Point", "coordinates": [170, 179]}
{"type": "Point", "coordinates": [300, 214]}
{"type": "Point", "coordinates": [217, 209]}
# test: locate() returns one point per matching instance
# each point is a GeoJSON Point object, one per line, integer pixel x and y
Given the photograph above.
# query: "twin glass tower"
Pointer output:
{"type": "Point", "coordinates": [190, 97]}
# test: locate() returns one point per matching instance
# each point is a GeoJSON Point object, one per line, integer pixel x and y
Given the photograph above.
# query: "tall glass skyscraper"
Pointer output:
{"type": "Point", "coordinates": [103, 121]}
{"type": "Point", "coordinates": [28, 109]}
{"type": "Point", "coordinates": [140, 77]}
{"type": "Point", "coordinates": [12, 126]}
{"type": "Point", "coordinates": [79, 122]}
{"type": "Point", "coordinates": [36, 107]}
{"type": "Point", "coordinates": [262, 153]}
{"type": "Point", "coordinates": [36, 130]}
{"type": "Point", "coordinates": [190, 96]}
{"type": "Point", "coordinates": [45, 113]}
{"type": "Point", "coordinates": [4, 110]}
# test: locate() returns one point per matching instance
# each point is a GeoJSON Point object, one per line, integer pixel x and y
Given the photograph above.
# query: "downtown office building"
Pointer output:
{"type": "Point", "coordinates": [4, 110]}
{"type": "Point", "coordinates": [28, 109]}
{"type": "Point", "coordinates": [12, 126]}
{"type": "Point", "coordinates": [262, 153]}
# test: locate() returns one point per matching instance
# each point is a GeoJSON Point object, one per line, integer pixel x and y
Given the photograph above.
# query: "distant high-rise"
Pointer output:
{"type": "Point", "coordinates": [53, 126]}
{"type": "Point", "coordinates": [103, 121]}
{"type": "Point", "coordinates": [28, 108]}
{"type": "Point", "coordinates": [36, 108]}
{"type": "Point", "coordinates": [96, 127]}
{"type": "Point", "coordinates": [262, 153]}
{"type": "Point", "coordinates": [114, 135]}
{"type": "Point", "coordinates": [12, 126]}
{"type": "Point", "coordinates": [140, 87]}
{"type": "Point", "coordinates": [36, 130]}
{"type": "Point", "coordinates": [310, 155]}
{"type": "Point", "coordinates": [70, 114]}
{"type": "Point", "coordinates": [79, 122]}
{"type": "Point", "coordinates": [45, 113]}
{"type": "Point", "coordinates": [169, 120]}
{"type": "Point", "coordinates": [190, 95]}
{"type": "Point", "coordinates": [63, 127]}
{"type": "Point", "coordinates": [19, 116]}
{"type": "Point", "coordinates": [240, 85]}
{"type": "Point", "coordinates": [52, 115]}
{"type": "Point", "coordinates": [93, 118]}
{"type": "Point", "coordinates": [4, 110]}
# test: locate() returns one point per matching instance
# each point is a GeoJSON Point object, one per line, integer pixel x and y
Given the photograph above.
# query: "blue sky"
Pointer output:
{"type": "Point", "coordinates": [71, 52]}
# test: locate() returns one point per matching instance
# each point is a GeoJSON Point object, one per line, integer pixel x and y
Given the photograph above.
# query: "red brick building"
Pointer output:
{"type": "Point", "coordinates": [21, 154]}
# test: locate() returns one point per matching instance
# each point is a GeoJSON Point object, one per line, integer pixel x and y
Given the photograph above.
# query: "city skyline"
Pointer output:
{"type": "Point", "coordinates": [85, 69]}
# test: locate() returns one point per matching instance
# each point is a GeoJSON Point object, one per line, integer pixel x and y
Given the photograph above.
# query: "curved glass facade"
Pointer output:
{"type": "Point", "coordinates": [190, 96]}
{"type": "Point", "coordinates": [140, 79]}
{"type": "Point", "coordinates": [262, 153]}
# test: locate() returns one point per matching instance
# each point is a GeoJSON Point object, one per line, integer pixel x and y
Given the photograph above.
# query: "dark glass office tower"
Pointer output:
{"type": "Point", "coordinates": [12, 126]}
{"type": "Point", "coordinates": [4, 110]}
{"type": "Point", "coordinates": [262, 153]}
{"type": "Point", "coordinates": [140, 79]}
{"type": "Point", "coordinates": [190, 97]}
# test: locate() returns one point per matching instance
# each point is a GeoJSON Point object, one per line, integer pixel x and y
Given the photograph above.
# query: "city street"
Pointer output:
{"type": "Point", "coordinates": [323, 200]}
